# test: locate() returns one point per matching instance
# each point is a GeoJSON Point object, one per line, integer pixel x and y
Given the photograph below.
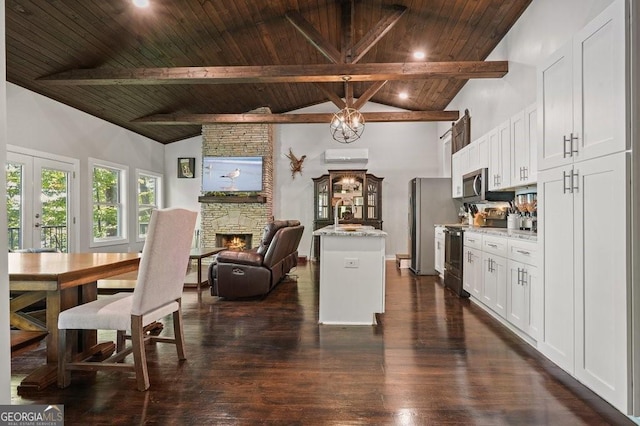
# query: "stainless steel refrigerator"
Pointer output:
{"type": "Point", "coordinates": [430, 203]}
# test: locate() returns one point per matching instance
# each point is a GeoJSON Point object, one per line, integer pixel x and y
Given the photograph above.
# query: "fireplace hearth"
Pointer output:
{"type": "Point", "coordinates": [237, 242]}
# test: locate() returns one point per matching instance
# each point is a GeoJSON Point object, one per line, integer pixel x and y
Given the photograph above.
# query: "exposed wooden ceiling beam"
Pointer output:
{"type": "Point", "coordinates": [370, 117]}
{"type": "Point", "coordinates": [376, 33]}
{"type": "Point", "coordinates": [314, 37]}
{"type": "Point", "coordinates": [337, 100]}
{"type": "Point", "coordinates": [346, 27]}
{"type": "Point", "coordinates": [369, 93]}
{"type": "Point", "coordinates": [319, 73]}
{"type": "Point", "coordinates": [348, 93]}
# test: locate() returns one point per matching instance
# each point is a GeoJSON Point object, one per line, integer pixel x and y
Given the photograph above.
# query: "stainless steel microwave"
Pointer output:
{"type": "Point", "coordinates": [475, 188]}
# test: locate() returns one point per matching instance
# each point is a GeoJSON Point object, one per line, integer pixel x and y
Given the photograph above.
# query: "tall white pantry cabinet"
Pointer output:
{"type": "Point", "coordinates": [584, 190]}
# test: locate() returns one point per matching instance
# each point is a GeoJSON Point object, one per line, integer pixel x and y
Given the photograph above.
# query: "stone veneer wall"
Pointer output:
{"type": "Point", "coordinates": [239, 140]}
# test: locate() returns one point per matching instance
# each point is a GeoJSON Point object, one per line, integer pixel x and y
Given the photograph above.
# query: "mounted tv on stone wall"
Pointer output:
{"type": "Point", "coordinates": [231, 174]}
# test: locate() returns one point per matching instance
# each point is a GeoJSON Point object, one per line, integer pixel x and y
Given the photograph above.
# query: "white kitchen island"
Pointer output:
{"type": "Point", "coordinates": [352, 274]}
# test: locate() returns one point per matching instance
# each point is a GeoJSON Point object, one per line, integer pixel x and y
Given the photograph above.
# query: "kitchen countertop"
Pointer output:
{"type": "Point", "coordinates": [504, 232]}
{"type": "Point", "coordinates": [501, 232]}
{"type": "Point", "coordinates": [351, 231]}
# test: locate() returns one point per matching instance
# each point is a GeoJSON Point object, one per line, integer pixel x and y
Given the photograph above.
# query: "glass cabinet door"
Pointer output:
{"type": "Point", "coordinates": [348, 195]}
{"type": "Point", "coordinates": [322, 199]}
{"type": "Point", "coordinates": [373, 189]}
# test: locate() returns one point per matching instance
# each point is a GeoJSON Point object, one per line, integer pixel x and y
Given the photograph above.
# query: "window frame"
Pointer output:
{"type": "Point", "coordinates": [123, 215]}
{"type": "Point", "coordinates": [159, 198]}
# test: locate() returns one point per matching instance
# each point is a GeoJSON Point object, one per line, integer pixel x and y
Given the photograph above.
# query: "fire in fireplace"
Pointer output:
{"type": "Point", "coordinates": [234, 241]}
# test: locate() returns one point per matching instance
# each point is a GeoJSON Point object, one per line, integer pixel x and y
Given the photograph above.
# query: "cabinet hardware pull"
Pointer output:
{"type": "Point", "coordinates": [565, 153]}
{"type": "Point", "coordinates": [573, 138]}
{"type": "Point", "coordinates": [524, 276]}
{"type": "Point", "coordinates": [575, 181]}
{"type": "Point", "coordinates": [526, 172]}
{"type": "Point", "coordinates": [492, 245]}
{"type": "Point", "coordinates": [566, 189]}
{"type": "Point", "coordinates": [526, 253]}
{"type": "Point", "coordinates": [519, 271]}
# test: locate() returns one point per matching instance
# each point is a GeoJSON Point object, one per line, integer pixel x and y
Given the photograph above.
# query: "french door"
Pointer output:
{"type": "Point", "coordinates": [39, 203]}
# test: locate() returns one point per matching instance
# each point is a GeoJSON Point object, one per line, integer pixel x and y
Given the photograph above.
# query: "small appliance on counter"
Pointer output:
{"type": "Point", "coordinates": [495, 217]}
{"type": "Point", "coordinates": [490, 217]}
{"type": "Point", "coordinates": [527, 205]}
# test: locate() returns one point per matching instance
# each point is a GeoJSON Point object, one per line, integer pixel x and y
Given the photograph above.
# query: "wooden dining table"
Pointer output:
{"type": "Point", "coordinates": [63, 280]}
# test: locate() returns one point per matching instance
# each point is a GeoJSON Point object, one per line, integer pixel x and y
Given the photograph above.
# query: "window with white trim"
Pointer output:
{"type": "Point", "coordinates": [148, 198]}
{"type": "Point", "coordinates": [108, 203]}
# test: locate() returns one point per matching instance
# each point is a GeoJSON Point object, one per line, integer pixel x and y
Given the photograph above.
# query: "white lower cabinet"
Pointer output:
{"type": "Point", "coordinates": [494, 291]}
{"type": "Point", "coordinates": [472, 275]}
{"type": "Point", "coordinates": [507, 283]}
{"type": "Point", "coordinates": [524, 289]}
{"type": "Point", "coordinates": [472, 264]}
{"type": "Point", "coordinates": [494, 274]}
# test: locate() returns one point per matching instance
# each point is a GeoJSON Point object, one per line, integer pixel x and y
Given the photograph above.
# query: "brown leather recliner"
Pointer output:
{"type": "Point", "coordinates": [255, 272]}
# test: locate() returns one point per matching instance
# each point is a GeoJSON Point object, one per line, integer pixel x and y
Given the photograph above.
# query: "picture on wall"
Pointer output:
{"type": "Point", "coordinates": [186, 168]}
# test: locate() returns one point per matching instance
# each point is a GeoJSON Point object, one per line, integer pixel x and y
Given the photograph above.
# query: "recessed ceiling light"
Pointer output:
{"type": "Point", "coordinates": [403, 95]}
{"type": "Point", "coordinates": [419, 54]}
{"type": "Point", "coordinates": [141, 3]}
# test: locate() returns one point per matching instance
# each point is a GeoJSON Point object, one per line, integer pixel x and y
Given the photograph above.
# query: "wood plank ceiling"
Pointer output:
{"type": "Point", "coordinates": [187, 62]}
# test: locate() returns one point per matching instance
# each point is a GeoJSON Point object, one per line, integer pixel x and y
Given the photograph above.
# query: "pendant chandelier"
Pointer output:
{"type": "Point", "coordinates": [347, 125]}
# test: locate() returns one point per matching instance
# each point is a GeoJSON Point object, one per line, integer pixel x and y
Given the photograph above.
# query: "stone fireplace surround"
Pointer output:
{"type": "Point", "coordinates": [231, 217]}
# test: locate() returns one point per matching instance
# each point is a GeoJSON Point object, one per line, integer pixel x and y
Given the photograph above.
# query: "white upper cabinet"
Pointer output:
{"type": "Point", "coordinates": [524, 143]}
{"type": "Point", "coordinates": [581, 94]}
{"type": "Point", "coordinates": [500, 156]}
{"type": "Point", "coordinates": [478, 154]}
{"type": "Point", "coordinates": [456, 175]}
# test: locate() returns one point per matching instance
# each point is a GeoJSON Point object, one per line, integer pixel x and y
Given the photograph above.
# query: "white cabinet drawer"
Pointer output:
{"type": "Point", "coordinates": [524, 251]}
{"type": "Point", "coordinates": [439, 231]}
{"type": "Point", "coordinates": [494, 245]}
{"type": "Point", "coordinates": [473, 240]}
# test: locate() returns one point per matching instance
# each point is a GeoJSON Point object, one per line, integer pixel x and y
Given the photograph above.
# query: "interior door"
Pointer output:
{"type": "Point", "coordinates": [39, 200]}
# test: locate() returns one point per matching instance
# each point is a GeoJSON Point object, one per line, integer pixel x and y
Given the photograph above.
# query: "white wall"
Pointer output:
{"type": "Point", "coordinates": [183, 192]}
{"type": "Point", "coordinates": [544, 27]}
{"type": "Point", "coordinates": [41, 124]}
{"type": "Point", "coordinates": [397, 152]}
{"type": "Point", "coordinates": [5, 341]}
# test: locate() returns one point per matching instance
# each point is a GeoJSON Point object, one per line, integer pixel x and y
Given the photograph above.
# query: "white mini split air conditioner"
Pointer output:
{"type": "Point", "coordinates": [348, 155]}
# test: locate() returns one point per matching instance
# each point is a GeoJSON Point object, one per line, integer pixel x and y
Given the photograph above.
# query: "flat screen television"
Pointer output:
{"type": "Point", "coordinates": [231, 174]}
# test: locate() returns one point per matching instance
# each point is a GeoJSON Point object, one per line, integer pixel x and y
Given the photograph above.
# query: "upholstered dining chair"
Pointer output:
{"type": "Point", "coordinates": [157, 293]}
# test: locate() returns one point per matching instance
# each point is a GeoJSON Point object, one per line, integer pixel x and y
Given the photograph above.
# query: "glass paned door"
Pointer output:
{"type": "Point", "coordinates": [38, 203]}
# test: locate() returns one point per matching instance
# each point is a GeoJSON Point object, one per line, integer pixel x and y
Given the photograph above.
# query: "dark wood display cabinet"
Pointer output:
{"type": "Point", "coordinates": [355, 193]}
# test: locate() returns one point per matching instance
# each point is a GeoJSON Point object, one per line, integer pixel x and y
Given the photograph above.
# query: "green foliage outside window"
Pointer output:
{"type": "Point", "coordinates": [53, 214]}
{"type": "Point", "coordinates": [106, 203]}
{"type": "Point", "coordinates": [147, 201]}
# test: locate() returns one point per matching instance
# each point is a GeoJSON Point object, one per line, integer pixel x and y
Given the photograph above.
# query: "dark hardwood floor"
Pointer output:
{"type": "Point", "coordinates": [433, 359]}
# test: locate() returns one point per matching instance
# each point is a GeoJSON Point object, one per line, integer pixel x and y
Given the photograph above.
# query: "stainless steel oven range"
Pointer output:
{"type": "Point", "coordinates": [453, 263]}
